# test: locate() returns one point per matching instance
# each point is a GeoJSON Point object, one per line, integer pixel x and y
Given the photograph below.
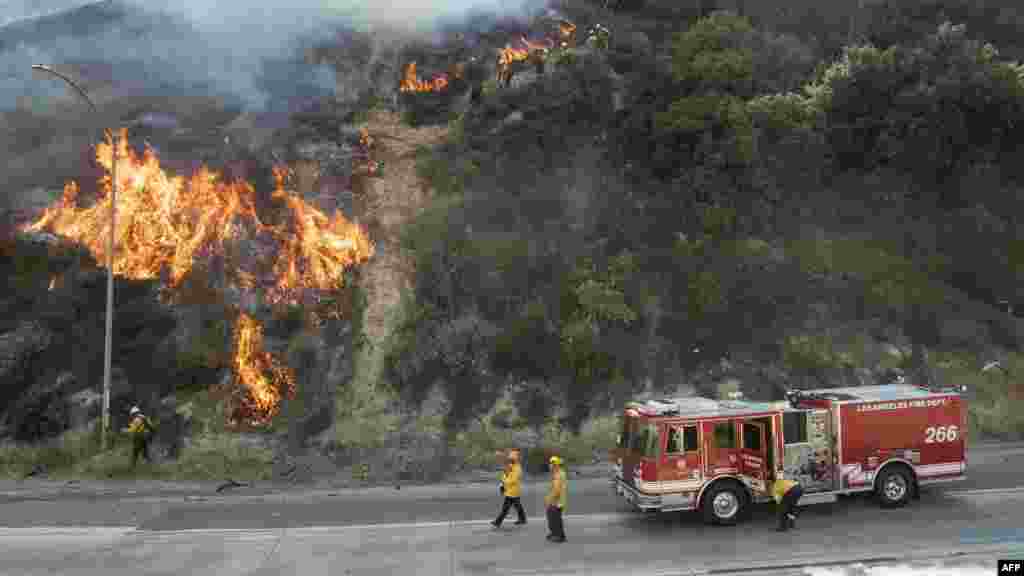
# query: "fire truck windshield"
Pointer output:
{"type": "Point", "coordinates": [645, 441]}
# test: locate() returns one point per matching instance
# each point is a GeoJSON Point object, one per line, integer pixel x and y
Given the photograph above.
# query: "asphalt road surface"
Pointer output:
{"type": "Point", "coordinates": [444, 530]}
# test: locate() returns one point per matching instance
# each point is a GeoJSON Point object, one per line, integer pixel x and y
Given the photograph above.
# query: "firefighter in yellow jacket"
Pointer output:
{"type": "Point", "coordinates": [141, 430]}
{"type": "Point", "coordinates": [787, 493]}
{"type": "Point", "coordinates": [511, 487]}
{"type": "Point", "coordinates": [555, 500]}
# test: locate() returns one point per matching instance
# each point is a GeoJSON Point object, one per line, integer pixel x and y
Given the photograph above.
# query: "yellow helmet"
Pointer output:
{"type": "Point", "coordinates": [555, 461]}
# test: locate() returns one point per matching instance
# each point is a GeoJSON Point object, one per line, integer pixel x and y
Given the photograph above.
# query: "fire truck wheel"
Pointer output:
{"type": "Point", "coordinates": [894, 487]}
{"type": "Point", "coordinates": [724, 503]}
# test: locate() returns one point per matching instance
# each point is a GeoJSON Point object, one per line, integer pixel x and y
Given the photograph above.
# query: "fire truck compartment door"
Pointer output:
{"type": "Point", "coordinates": [808, 449]}
{"type": "Point", "coordinates": [753, 455]}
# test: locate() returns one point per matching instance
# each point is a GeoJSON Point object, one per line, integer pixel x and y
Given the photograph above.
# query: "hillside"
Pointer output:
{"type": "Point", "coordinates": [386, 206]}
{"type": "Point", "coordinates": [676, 200]}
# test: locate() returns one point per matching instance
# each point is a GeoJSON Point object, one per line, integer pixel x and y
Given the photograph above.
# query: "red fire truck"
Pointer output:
{"type": "Point", "coordinates": [720, 456]}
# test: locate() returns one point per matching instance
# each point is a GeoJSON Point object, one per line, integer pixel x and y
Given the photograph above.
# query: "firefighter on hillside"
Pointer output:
{"type": "Point", "coordinates": [141, 430]}
{"type": "Point", "coordinates": [555, 500]}
{"type": "Point", "coordinates": [511, 488]}
{"type": "Point", "coordinates": [787, 493]}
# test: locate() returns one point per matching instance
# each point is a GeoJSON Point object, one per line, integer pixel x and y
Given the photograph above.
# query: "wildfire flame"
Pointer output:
{"type": "Point", "coordinates": [567, 30]}
{"type": "Point", "coordinates": [365, 140]}
{"type": "Point", "coordinates": [252, 364]}
{"type": "Point", "coordinates": [412, 83]}
{"type": "Point", "coordinates": [509, 55]}
{"type": "Point", "coordinates": [166, 226]}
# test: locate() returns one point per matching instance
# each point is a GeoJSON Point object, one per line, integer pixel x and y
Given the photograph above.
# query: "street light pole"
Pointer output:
{"type": "Point", "coordinates": [107, 353]}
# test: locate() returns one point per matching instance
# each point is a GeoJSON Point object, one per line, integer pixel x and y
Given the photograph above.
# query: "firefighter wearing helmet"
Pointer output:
{"type": "Point", "coordinates": [555, 500]}
{"type": "Point", "coordinates": [511, 489]}
{"type": "Point", "coordinates": [598, 37]}
{"type": "Point", "coordinates": [141, 431]}
{"type": "Point", "coordinates": [787, 494]}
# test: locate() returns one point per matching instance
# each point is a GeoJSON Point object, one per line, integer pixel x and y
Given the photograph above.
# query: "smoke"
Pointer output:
{"type": "Point", "coordinates": [253, 53]}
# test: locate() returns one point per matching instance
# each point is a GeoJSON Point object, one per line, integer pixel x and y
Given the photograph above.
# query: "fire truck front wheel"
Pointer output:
{"type": "Point", "coordinates": [894, 487]}
{"type": "Point", "coordinates": [724, 503]}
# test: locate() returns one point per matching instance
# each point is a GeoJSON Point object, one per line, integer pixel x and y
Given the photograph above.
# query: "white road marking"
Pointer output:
{"type": "Point", "coordinates": [984, 491]}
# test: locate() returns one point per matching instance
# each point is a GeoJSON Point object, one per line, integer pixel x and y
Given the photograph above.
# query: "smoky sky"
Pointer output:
{"type": "Point", "coordinates": [248, 52]}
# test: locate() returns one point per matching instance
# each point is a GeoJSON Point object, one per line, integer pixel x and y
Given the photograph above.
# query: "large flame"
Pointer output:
{"type": "Point", "coordinates": [167, 226]}
{"type": "Point", "coordinates": [509, 55]}
{"type": "Point", "coordinates": [567, 32]}
{"type": "Point", "coordinates": [264, 377]}
{"type": "Point", "coordinates": [411, 81]}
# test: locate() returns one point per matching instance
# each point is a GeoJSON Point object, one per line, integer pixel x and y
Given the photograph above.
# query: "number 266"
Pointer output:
{"type": "Point", "coordinates": [933, 434]}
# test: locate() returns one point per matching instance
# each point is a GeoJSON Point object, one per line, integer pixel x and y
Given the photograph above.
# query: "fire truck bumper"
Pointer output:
{"type": "Point", "coordinates": [638, 500]}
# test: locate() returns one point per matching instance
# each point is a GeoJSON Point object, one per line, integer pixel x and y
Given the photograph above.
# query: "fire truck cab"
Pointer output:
{"type": "Point", "coordinates": [721, 456]}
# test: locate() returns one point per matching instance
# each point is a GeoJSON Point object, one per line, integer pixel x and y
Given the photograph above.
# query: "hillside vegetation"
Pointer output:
{"type": "Point", "coordinates": [717, 196]}
{"type": "Point", "coordinates": [745, 211]}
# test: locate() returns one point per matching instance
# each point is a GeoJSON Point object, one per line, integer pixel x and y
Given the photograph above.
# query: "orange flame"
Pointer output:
{"type": "Point", "coordinates": [412, 83]}
{"type": "Point", "coordinates": [167, 225]}
{"type": "Point", "coordinates": [567, 30]}
{"type": "Point", "coordinates": [365, 140]}
{"type": "Point", "coordinates": [252, 365]}
{"type": "Point", "coordinates": [509, 55]}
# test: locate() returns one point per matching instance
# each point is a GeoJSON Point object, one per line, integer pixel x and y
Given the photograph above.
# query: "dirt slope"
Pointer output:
{"type": "Point", "coordinates": [384, 205]}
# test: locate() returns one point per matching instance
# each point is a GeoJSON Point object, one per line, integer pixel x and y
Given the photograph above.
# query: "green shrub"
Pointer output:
{"type": "Point", "coordinates": [220, 456]}
{"type": "Point", "coordinates": [57, 456]}
{"type": "Point", "coordinates": [992, 410]}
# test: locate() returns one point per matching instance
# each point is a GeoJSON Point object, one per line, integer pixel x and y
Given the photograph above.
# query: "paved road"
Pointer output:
{"type": "Point", "coordinates": [990, 466]}
{"type": "Point", "coordinates": [985, 524]}
{"type": "Point", "coordinates": [443, 530]}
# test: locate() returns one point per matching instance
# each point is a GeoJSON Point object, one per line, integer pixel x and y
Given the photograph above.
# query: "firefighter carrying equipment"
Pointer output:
{"type": "Point", "coordinates": [780, 488]}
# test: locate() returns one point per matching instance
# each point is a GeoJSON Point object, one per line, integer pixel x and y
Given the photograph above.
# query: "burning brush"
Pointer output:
{"type": "Point", "coordinates": [566, 33]}
{"type": "Point", "coordinates": [527, 51]}
{"type": "Point", "coordinates": [412, 83]}
{"type": "Point", "coordinates": [168, 227]}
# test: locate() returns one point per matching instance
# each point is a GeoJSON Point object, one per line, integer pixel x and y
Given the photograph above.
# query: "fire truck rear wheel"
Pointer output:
{"type": "Point", "coordinates": [894, 487]}
{"type": "Point", "coordinates": [724, 504]}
